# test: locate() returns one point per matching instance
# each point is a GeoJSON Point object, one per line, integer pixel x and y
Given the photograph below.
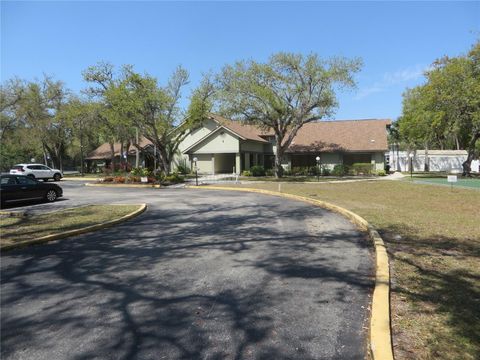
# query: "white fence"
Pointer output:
{"type": "Point", "coordinates": [439, 160]}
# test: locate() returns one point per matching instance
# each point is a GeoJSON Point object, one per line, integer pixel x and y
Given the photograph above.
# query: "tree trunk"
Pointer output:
{"type": "Point", "coordinates": [467, 164]}
{"type": "Point", "coordinates": [278, 161]}
{"type": "Point", "coordinates": [112, 155]}
{"type": "Point", "coordinates": [137, 152]}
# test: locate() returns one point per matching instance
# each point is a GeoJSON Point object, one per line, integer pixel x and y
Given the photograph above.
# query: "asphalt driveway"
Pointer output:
{"type": "Point", "coordinates": [201, 275]}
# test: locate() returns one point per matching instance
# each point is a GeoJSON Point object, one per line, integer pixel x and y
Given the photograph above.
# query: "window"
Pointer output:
{"type": "Point", "coordinates": [8, 181]}
{"type": "Point", "coordinates": [26, 181]}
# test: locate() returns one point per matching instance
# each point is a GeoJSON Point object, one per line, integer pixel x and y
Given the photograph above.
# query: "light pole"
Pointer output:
{"type": "Point", "coordinates": [411, 165]}
{"type": "Point", "coordinates": [318, 167]}
{"type": "Point", "coordinates": [196, 170]}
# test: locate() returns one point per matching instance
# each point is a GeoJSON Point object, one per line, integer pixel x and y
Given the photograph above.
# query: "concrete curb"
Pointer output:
{"type": "Point", "coordinates": [79, 178]}
{"type": "Point", "coordinates": [69, 233]}
{"type": "Point", "coordinates": [380, 333]}
{"type": "Point", "coordinates": [156, 186]}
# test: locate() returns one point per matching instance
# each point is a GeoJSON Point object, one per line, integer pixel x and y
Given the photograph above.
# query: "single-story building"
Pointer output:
{"type": "Point", "coordinates": [221, 145]}
{"type": "Point", "coordinates": [225, 146]}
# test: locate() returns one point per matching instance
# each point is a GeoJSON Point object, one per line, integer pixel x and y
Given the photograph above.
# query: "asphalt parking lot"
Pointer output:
{"type": "Point", "coordinates": [201, 275]}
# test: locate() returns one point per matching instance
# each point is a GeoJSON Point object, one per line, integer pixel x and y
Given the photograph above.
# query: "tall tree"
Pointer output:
{"type": "Point", "coordinates": [285, 93]}
{"type": "Point", "coordinates": [445, 110]}
{"type": "Point", "coordinates": [155, 110]}
{"type": "Point", "coordinates": [115, 126]}
{"type": "Point", "coordinates": [41, 106]}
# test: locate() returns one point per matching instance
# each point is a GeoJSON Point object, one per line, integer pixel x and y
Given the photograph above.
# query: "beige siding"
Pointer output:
{"type": "Point", "coordinates": [198, 134]}
{"type": "Point", "coordinates": [378, 159]}
{"type": "Point", "coordinates": [219, 143]}
{"type": "Point", "coordinates": [204, 163]}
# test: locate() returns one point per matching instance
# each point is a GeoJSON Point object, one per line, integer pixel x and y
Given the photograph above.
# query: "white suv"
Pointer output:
{"type": "Point", "coordinates": [37, 171]}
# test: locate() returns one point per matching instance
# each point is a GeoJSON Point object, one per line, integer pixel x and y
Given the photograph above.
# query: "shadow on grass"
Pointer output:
{"type": "Point", "coordinates": [440, 277]}
{"type": "Point", "coordinates": [216, 282]}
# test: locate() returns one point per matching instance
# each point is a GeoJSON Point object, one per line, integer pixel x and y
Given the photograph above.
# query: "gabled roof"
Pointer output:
{"type": "Point", "coordinates": [245, 131]}
{"type": "Point", "coordinates": [221, 127]}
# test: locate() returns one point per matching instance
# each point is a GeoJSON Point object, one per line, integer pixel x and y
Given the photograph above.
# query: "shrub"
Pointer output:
{"type": "Point", "coordinates": [340, 170]}
{"type": "Point", "coordinates": [257, 170]}
{"type": "Point", "coordinates": [173, 178]}
{"type": "Point", "coordinates": [108, 179]}
{"type": "Point", "coordinates": [182, 167]}
{"type": "Point", "coordinates": [362, 168]}
{"type": "Point", "coordinates": [143, 172]}
{"type": "Point", "coordinates": [381, 173]}
{"type": "Point", "coordinates": [119, 179]}
{"type": "Point", "coordinates": [269, 172]}
{"type": "Point", "coordinates": [246, 173]}
{"type": "Point", "coordinates": [325, 171]}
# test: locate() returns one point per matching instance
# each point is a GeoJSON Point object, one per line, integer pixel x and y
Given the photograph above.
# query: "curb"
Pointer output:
{"type": "Point", "coordinates": [69, 233]}
{"type": "Point", "coordinates": [156, 186]}
{"type": "Point", "coordinates": [380, 333]}
{"type": "Point", "coordinates": [79, 178]}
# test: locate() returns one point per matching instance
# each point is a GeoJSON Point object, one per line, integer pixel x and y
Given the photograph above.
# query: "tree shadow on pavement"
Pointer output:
{"type": "Point", "coordinates": [222, 283]}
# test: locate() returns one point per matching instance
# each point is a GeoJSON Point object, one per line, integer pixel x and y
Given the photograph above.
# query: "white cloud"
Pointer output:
{"type": "Point", "coordinates": [390, 79]}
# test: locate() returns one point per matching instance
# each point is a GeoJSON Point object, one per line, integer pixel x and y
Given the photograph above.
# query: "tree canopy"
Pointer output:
{"type": "Point", "coordinates": [445, 111]}
{"type": "Point", "coordinates": [284, 93]}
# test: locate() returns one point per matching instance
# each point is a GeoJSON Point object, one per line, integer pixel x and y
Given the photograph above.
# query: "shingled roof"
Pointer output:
{"type": "Point", "coordinates": [327, 136]}
{"type": "Point", "coordinates": [103, 151]}
{"type": "Point", "coordinates": [249, 132]}
{"type": "Point", "coordinates": [342, 135]}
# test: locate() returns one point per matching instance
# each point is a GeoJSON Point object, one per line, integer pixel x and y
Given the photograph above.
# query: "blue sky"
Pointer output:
{"type": "Point", "coordinates": [396, 40]}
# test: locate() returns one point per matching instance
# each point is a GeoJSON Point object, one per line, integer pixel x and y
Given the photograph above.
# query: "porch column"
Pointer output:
{"type": "Point", "coordinates": [238, 163]}
{"type": "Point", "coordinates": [247, 160]}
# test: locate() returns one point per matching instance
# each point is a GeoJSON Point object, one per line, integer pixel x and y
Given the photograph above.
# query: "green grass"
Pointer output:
{"type": "Point", "coordinates": [433, 240]}
{"type": "Point", "coordinates": [16, 229]}
{"type": "Point", "coordinates": [470, 183]}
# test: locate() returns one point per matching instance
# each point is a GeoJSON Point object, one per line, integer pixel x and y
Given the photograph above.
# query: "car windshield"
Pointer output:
{"type": "Point", "coordinates": [17, 167]}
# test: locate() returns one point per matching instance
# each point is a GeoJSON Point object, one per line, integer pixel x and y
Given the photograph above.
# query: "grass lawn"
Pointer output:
{"type": "Point", "coordinates": [433, 239]}
{"type": "Point", "coordinates": [462, 182]}
{"type": "Point", "coordinates": [16, 229]}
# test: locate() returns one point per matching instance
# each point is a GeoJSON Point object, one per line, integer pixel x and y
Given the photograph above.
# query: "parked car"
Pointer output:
{"type": "Point", "coordinates": [37, 171]}
{"type": "Point", "coordinates": [15, 188]}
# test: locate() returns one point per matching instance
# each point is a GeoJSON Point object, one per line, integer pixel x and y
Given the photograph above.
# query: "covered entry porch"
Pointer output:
{"type": "Point", "coordinates": [228, 163]}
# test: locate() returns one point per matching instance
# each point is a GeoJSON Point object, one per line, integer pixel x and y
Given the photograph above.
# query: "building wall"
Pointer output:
{"type": "Point", "coordinates": [251, 146]}
{"type": "Point", "coordinates": [446, 161]}
{"type": "Point", "coordinates": [219, 143]}
{"type": "Point", "coordinates": [378, 161]}
{"type": "Point", "coordinates": [204, 163]}
{"type": "Point", "coordinates": [198, 134]}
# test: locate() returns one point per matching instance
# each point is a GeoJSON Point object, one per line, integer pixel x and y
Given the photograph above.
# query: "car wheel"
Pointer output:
{"type": "Point", "coordinates": [51, 195]}
{"type": "Point", "coordinates": [57, 177]}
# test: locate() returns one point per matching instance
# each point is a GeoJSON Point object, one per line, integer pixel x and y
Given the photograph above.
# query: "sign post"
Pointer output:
{"type": "Point", "coordinates": [452, 179]}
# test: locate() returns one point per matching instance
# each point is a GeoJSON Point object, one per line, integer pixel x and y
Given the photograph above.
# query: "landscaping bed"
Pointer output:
{"type": "Point", "coordinates": [433, 242]}
{"type": "Point", "coordinates": [21, 228]}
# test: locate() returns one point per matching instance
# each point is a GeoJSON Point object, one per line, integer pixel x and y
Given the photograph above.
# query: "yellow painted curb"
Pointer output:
{"type": "Point", "coordinates": [156, 186]}
{"type": "Point", "coordinates": [69, 233]}
{"type": "Point", "coordinates": [380, 333]}
{"type": "Point", "coordinates": [79, 178]}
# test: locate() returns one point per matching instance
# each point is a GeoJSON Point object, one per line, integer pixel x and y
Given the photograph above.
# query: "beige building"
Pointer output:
{"type": "Point", "coordinates": [225, 146]}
